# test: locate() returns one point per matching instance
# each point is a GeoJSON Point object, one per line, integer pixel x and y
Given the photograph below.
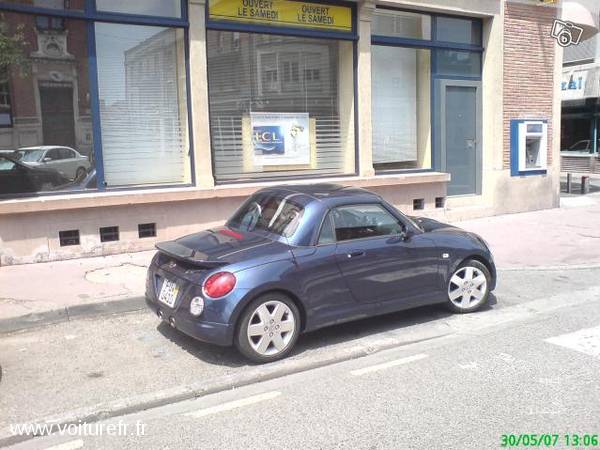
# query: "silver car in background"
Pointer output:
{"type": "Point", "coordinates": [68, 162]}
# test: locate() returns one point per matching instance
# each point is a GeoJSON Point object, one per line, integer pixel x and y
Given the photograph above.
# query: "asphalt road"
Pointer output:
{"type": "Point", "coordinates": [445, 382]}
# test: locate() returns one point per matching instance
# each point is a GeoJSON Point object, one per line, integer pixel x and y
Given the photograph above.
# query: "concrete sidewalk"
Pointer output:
{"type": "Point", "coordinates": [42, 293]}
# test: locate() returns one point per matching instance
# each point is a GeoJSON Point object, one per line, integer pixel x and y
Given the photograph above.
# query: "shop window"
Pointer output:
{"type": "Point", "coordinates": [164, 8]}
{"type": "Point", "coordinates": [287, 111]}
{"type": "Point", "coordinates": [400, 99]}
{"type": "Point", "coordinates": [77, 5]}
{"type": "Point", "coordinates": [45, 121]}
{"type": "Point", "coordinates": [458, 63]}
{"type": "Point", "coordinates": [459, 30]}
{"type": "Point", "coordinates": [401, 24]}
{"type": "Point", "coordinates": [143, 104]}
{"type": "Point", "coordinates": [5, 110]}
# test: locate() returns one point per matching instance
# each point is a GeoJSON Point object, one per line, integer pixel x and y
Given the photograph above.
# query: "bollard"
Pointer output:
{"type": "Point", "coordinates": [585, 185]}
{"type": "Point", "coordinates": [569, 183]}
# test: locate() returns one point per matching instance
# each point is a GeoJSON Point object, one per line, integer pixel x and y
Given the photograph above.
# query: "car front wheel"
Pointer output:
{"type": "Point", "coordinates": [268, 328]}
{"type": "Point", "coordinates": [468, 287]}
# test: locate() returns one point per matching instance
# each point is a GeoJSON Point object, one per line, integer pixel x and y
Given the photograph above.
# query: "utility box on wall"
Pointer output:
{"type": "Point", "coordinates": [528, 147]}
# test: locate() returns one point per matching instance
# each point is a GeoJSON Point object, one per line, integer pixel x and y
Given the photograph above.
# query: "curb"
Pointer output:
{"type": "Point", "coordinates": [68, 313]}
{"type": "Point", "coordinates": [254, 375]}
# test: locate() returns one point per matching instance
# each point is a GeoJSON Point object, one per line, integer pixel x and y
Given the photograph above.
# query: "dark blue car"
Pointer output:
{"type": "Point", "coordinates": [297, 258]}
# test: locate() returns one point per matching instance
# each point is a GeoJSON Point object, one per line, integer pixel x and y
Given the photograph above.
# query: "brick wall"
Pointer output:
{"type": "Point", "coordinates": [528, 67]}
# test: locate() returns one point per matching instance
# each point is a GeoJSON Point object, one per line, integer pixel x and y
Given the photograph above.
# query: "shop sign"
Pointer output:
{"type": "Point", "coordinates": [573, 84]}
{"type": "Point", "coordinates": [280, 138]}
{"type": "Point", "coordinates": [288, 13]}
{"type": "Point", "coordinates": [580, 83]}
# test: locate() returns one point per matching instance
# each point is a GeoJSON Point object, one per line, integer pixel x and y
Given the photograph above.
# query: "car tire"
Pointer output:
{"type": "Point", "coordinates": [80, 174]}
{"type": "Point", "coordinates": [268, 328]}
{"type": "Point", "coordinates": [468, 288]}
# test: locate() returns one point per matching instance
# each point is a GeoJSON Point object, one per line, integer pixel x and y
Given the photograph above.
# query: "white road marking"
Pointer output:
{"type": "Point", "coordinates": [469, 366]}
{"type": "Point", "coordinates": [585, 341]}
{"type": "Point", "coordinates": [71, 445]}
{"type": "Point", "coordinates": [387, 365]}
{"type": "Point", "coordinates": [234, 404]}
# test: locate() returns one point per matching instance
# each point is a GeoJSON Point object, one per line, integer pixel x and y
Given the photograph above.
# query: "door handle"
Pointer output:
{"type": "Point", "coordinates": [355, 253]}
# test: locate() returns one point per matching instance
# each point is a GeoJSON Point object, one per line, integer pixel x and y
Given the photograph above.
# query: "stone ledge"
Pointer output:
{"type": "Point", "coordinates": [159, 195]}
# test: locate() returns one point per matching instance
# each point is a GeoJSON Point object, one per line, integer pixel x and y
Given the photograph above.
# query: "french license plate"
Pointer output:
{"type": "Point", "coordinates": [168, 293]}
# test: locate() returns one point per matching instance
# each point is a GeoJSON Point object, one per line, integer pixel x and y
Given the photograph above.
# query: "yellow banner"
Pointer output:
{"type": "Point", "coordinates": [287, 13]}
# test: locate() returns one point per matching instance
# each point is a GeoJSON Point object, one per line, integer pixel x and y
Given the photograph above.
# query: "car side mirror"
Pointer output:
{"type": "Point", "coordinates": [47, 159]}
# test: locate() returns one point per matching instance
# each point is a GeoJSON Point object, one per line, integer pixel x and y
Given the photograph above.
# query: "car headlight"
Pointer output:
{"type": "Point", "coordinates": [196, 306]}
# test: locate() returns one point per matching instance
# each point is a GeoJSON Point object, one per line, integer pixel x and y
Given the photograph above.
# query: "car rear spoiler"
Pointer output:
{"type": "Point", "coordinates": [188, 255]}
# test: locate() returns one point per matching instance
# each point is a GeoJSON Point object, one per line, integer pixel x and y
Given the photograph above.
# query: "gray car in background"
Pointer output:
{"type": "Point", "coordinates": [66, 161]}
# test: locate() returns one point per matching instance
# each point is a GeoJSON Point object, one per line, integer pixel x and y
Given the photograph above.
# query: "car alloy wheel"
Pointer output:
{"type": "Point", "coordinates": [468, 287]}
{"type": "Point", "coordinates": [268, 328]}
{"type": "Point", "coordinates": [271, 328]}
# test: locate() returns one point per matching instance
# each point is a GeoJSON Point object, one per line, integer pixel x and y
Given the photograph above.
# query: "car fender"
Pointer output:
{"type": "Point", "coordinates": [269, 277]}
{"type": "Point", "coordinates": [475, 253]}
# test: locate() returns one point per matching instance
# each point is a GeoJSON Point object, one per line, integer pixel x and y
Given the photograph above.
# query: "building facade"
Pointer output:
{"type": "Point", "coordinates": [127, 123]}
{"type": "Point", "coordinates": [580, 88]}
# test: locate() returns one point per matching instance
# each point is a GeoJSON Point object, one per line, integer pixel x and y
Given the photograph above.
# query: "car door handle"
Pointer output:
{"type": "Point", "coordinates": [355, 253]}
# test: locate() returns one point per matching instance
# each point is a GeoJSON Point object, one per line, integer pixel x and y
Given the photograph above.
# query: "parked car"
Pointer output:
{"type": "Point", "coordinates": [298, 258]}
{"type": "Point", "coordinates": [581, 146]}
{"type": "Point", "coordinates": [17, 177]}
{"type": "Point", "coordinates": [68, 162]}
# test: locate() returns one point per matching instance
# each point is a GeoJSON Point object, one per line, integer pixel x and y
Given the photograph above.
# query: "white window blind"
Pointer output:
{"type": "Point", "coordinates": [394, 104]}
{"type": "Point", "coordinates": [252, 73]}
{"type": "Point", "coordinates": [143, 109]}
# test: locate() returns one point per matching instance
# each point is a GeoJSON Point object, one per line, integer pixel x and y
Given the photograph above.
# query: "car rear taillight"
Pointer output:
{"type": "Point", "coordinates": [219, 284]}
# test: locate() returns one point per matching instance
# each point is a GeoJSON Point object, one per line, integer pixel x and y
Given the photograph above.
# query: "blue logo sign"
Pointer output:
{"type": "Point", "coordinates": [268, 139]}
{"type": "Point", "coordinates": [572, 85]}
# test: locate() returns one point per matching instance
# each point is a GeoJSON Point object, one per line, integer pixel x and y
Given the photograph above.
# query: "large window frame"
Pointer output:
{"type": "Point", "coordinates": [90, 15]}
{"type": "Point", "coordinates": [352, 36]}
{"type": "Point", "coordinates": [433, 44]}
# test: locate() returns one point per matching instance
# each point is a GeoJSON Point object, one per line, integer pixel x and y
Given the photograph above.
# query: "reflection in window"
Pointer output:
{"type": "Point", "coordinates": [401, 24]}
{"type": "Point", "coordinates": [457, 29]}
{"type": "Point", "coordinates": [364, 221]}
{"type": "Point", "coordinates": [5, 110]}
{"type": "Point", "coordinates": [458, 63]}
{"type": "Point", "coordinates": [268, 212]}
{"type": "Point", "coordinates": [45, 122]}
{"type": "Point", "coordinates": [164, 8]}
{"type": "Point", "coordinates": [49, 23]}
{"type": "Point", "coordinates": [77, 5]}
{"type": "Point", "coordinates": [287, 109]}
{"type": "Point", "coordinates": [143, 107]}
{"type": "Point", "coordinates": [400, 99]}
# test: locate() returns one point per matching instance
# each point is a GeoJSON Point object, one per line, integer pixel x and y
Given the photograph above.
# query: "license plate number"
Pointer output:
{"type": "Point", "coordinates": [168, 293]}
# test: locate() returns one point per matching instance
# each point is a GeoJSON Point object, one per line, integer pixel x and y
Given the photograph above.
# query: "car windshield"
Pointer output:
{"type": "Point", "coordinates": [268, 212]}
{"type": "Point", "coordinates": [29, 155]}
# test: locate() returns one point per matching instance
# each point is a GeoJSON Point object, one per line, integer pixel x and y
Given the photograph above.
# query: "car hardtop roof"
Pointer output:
{"type": "Point", "coordinates": [329, 193]}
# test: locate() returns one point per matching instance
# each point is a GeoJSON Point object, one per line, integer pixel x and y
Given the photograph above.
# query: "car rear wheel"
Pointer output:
{"type": "Point", "coordinates": [268, 328]}
{"type": "Point", "coordinates": [468, 287]}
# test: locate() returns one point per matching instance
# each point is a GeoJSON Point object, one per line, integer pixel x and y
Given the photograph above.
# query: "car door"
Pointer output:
{"type": "Point", "coordinates": [382, 258]}
{"type": "Point", "coordinates": [52, 160]}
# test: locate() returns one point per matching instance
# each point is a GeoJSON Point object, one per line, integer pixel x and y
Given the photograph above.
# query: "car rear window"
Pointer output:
{"type": "Point", "coordinates": [269, 212]}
